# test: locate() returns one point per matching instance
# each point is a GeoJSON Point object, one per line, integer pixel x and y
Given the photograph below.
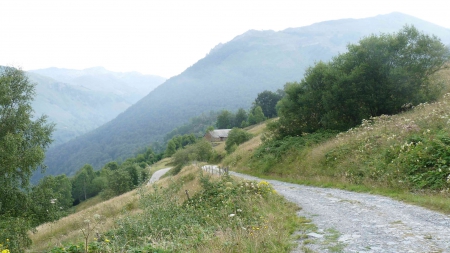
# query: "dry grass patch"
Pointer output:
{"type": "Point", "coordinates": [68, 229]}
{"type": "Point", "coordinates": [245, 150]}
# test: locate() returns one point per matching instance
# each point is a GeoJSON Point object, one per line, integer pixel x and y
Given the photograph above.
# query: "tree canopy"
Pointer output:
{"type": "Point", "coordinates": [376, 76]}
{"type": "Point", "coordinates": [268, 100]}
{"type": "Point", "coordinates": [22, 148]}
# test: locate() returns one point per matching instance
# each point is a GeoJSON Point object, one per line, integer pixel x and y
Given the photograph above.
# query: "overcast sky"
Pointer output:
{"type": "Point", "coordinates": [163, 37]}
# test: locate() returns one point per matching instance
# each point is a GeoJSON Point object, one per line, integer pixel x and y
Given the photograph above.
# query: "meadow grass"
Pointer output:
{"type": "Point", "coordinates": [190, 212]}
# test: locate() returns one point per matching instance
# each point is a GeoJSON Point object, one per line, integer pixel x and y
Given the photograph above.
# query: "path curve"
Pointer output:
{"type": "Point", "coordinates": [158, 174]}
{"type": "Point", "coordinates": [364, 222]}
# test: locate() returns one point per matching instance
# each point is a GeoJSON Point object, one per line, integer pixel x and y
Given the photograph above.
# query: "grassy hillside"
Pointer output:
{"type": "Point", "coordinates": [229, 77]}
{"type": "Point", "coordinates": [405, 156]}
{"type": "Point", "coordinates": [219, 215]}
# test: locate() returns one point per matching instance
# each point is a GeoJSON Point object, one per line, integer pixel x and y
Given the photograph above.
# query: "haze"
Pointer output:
{"type": "Point", "coordinates": [162, 37]}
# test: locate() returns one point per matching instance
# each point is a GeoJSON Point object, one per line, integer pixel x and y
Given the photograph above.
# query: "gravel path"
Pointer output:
{"type": "Point", "coordinates": [155, 177]}
{"type": "Point", "coordinates": [358, 222]}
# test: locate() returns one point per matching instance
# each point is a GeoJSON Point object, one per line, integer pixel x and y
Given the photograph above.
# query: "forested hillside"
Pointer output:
{"type": "Point", "coordinates": [229, 77]}
{"type": "Point", "coordinates": [81, 100]}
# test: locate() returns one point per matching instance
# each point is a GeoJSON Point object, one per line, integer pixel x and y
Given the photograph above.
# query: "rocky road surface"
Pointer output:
{"type": "Point", "coordinates": [358, 222]}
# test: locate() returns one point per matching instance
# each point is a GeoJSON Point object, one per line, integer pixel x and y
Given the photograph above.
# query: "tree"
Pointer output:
{"type": "Point", "coordinates": [82, 183]}
{"type": "Point", "coordinates": [50, 199]}
{"type": "Point", "coordinates": [111, 166]}
{"type": "Point", "coordinates": [256, 116]}
{"type": "Point", "coordinates": [240, 118]}
{"type": "Point", "coordinates": [377, 76]}
{"type": "Point", "coordinates": [119, 181]}
{"type": "Point", "coordinates": [268, 100]}
{"type": "Point", "coordinates": [171, 148]}
{"type": "Point", "coordinates": [224, 120]}
{"type": "Point", "coordinates": [23, 142]}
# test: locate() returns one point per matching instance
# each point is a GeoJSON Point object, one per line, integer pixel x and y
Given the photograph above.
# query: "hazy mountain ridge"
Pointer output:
{"type": "Point", "coordinates": [81, 100]}
{"type": "Point", "coordinates": [229, 77]}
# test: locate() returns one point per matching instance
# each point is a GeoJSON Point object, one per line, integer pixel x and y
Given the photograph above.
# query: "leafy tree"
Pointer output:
{"type": "Point", "coordinates": [188, 139]}
{"type": "Point", "coordinates": [119, 181]}
{"type": "Point", "coordinates": [256, 116]}
{"type": "Point", "coordinates": [23, 142]}
{"type": "Point", "coordinates": [225, 120]}
{"type": "Point", "coordinates": [240, 118]}
{"type": "Point", "coordinates": [268, 100]}
{"type": "Point", "coordinates": [178, 142]}
{"type": "Point", "coordinates": [235, 137]}
{"type": "Point", "coordinates": [377, 76]}
{"type": "Point", "coordinates": [111, 166]}
{"type": "Point", "coordinates": [82, 183]}
{"type": "Point", "coordinates": [50, 199]}
{"type": "Point", "coordinates": [171, 148]}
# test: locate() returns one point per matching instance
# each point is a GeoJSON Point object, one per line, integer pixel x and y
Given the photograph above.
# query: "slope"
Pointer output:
{"type": "Point", "coordinates": [81, 100]}
{"type": "Point", "coordinates": [229, 77]}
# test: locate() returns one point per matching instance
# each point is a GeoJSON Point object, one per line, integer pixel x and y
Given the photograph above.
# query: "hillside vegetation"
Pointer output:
{"type": "Point", "coordinates": [317, 137]}
{"type": "Point", "coordinates": [191, 212]}
{"type": "Point", "coordinates": [229, 77]}
{"type": "Point", "coordinates": [404, 156]}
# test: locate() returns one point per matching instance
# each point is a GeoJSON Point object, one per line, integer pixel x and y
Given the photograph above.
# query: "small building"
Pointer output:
{"type": "Point", "coordinates": [217, 135]}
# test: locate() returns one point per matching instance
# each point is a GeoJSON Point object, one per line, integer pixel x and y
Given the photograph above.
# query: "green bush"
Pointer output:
{"type": "Point", "coordinates": [235, 137]}
{"type": "Point", "coordinates": [424, 162]}
{"type": "Point", "coordinates": [14, 233]}
{"type": "Point", "coordinates": [272, 151]}
{"type": "Point", "coordinates": [201, 151]}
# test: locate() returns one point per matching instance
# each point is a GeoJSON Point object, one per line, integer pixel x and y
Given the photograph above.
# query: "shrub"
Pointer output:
{"type": "Point", "coordinates": [200, 151]}
{"type": "Point", "coordinates": [235, 137]}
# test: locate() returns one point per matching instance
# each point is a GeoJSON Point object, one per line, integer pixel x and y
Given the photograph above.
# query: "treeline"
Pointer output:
{"type": "Point", "coordinates": [263, 107]}
{"type": "Point", "coordinates": [112, 180]}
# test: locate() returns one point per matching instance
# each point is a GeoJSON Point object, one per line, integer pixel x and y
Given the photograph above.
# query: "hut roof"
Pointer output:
{"type": "Point", "coordinates": [220, 133]}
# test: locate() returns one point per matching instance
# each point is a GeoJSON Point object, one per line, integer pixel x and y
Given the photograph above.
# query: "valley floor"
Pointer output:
{"type": "Point", "coordinates": [358, 222]}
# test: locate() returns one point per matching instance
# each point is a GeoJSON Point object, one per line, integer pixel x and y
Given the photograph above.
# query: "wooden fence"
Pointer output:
{"type": "Point", "coordinates": [213, 169]}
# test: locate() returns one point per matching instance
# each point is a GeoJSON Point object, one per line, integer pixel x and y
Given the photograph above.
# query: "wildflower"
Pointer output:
{"type": "Point", "coordinates": [232, 215]}
{"type": "Point", "coordinates": [106, 240]}
{"type": "Point", "coordinates": [5, 251]}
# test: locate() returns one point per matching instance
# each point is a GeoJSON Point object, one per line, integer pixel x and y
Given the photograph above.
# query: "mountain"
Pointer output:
{"type": "Point", "coordinates": [229, 77]}
{"type": "Point", "coordinates": [79, 101]}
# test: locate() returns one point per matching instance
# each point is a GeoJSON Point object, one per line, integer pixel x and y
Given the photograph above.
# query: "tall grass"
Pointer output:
{"type": "Point", "coordinates": [191, 212]}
